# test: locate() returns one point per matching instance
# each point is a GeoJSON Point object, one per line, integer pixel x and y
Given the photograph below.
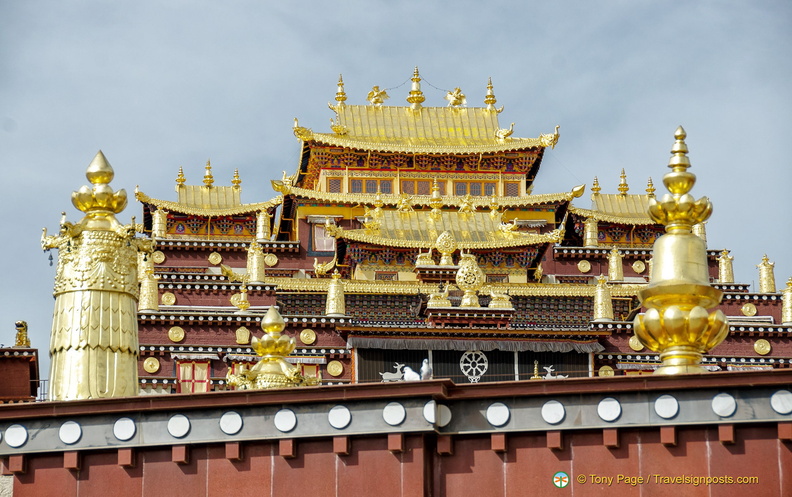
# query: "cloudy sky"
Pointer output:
{"type": "Point", "coordinates": [158, 85]}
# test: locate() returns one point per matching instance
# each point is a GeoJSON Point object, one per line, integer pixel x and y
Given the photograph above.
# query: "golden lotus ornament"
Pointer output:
{"type": "Point", "coordinates": [678, 323]}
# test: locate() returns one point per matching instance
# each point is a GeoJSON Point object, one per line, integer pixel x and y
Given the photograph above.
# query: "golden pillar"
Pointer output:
{"type": "Point", "coordinates": [590, 233]}
{"type": "Point", "coordinates": [94, 343]}
{"type": "Point", "coordinates": [700, 230]}
{"type": "Point", "coordinates": [786, 306]}
{"type": "Point", "coordinates": [677, 322]}
{"type": "Point", "coordinates": [615, 269]}
{"type": "Point", "coordinates": [603, 306]}
{"type": "Point", "coordinates": [766, 276]}
{"type": "Point", "coordinates": [149, 291]}
{"type": "Point", "coordinates": [255, 263]}
{"type": "Point", "coordinates": [725, 268]}
{"type": "Point", "coordinates": [159, 223]}
{"type": "Point", "coordinates": [263, 225]}
{"type": "Point", "coordinates": [336, 300]}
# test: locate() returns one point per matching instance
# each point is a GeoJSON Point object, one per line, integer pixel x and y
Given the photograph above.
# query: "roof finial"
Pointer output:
{"type": "Point", "coordinates": [489, 99]}
{"type": "Point", "coordinates": [180, 179]}
{"type": "Point", "coordinates": [208, 178]}
{"type": "Point", "coordinates": [236, 180]}
{"type": "Point", "coordinates": [650, 189]}
{"type": "Point", "coordinates": [623, 186]}
{"type": "Point", "coordinates": [416, 97]}
{"type": "Point", "coordinates": [595, 188]}
{"type": "Point", "coordinates": [340, 93]}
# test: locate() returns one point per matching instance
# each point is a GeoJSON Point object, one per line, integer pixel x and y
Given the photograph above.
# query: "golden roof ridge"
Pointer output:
{"type": "Point", "coordinates": [171, 206]}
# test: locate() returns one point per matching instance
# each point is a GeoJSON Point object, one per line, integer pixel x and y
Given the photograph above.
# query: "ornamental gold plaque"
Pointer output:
{"type": "Point", "coordinates": [168, 298]}
{"type": "Point", "coordinates": [635, 344]}
{"type": "Point", "coordinates": [176, 334]}
{"type": "Point", "coordinates": [335, 368]}
{"type": "Point", "coordinates": [158, 257]}
{"type": "Point", "coordinates": [584, 266]}
{"type": "Point", "coordinates": [762, 346]}
{"type": "Point", "coordinates": [605, 371]}
{"type": "Point", "coordinates": [270, 259]}
{"type": "Point", "coordinates": [639, 266]}
{"type": "Point", "coordinates": [308, 336]}
{"type": "Point", "coordinates": [749, 309]}
{"type": "Point", "coordinates": [242, 335]}
{"type": "Point", "coordinates": [151, 365]}
{"type": "Point", "coordinates": [215, 258]}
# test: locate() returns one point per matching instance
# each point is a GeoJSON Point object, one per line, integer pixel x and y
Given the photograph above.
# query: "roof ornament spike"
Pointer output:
{"type": "Point", "coordinates": [623, 186]}
{"type": "Point", "coordinates": [340, 93]}
{"type": "Point", "coordinates": [208, 178]}
{"type": "Point", "coordinates": [489, 98]}
{"type": "Point", "coordinates": [650, 189]}
{"type": "Point", "coordinates": [180, 179]}
{"type": "Point", "coordinates": [236, 180]}
{"type": "Point", "coordinates": [416, 97]}
{"type": "Point", "coordinates": [595, 186]}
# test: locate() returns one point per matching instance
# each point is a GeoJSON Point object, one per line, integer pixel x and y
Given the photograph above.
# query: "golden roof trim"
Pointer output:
{"type": "Point", "coordinates": [198, 211]}
{"type": "Point", "coordinates": [408, 146]}
{"type": "Point", "coordinates": [610, 218]}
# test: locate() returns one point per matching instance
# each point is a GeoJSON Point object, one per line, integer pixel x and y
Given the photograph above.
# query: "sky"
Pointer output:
{"type": "Point", "coordinates": [158, 85]}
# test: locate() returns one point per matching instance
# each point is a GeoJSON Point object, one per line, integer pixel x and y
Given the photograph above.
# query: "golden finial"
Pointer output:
{"type": "Point", "coordinates": [340, 93]}
{"type": "Point", "coordinates": [436, 200]}
{"type": "Point", "coordinates": [180, 179]}
{"type": "Point", "coordinates": [100, 197]}
{"type": "Point", "coordinates": [236, 180]}
{"type": "Point", "coordinates": [623, 186]}
{"type": "Point", "coordinates": [536, 371]}
{"type": "Point", "coordinates": [650, 189]}
{"type": "Point", "coordinates": [725, 268]}
{"type": "Point", "coordinates": [469, 278]}
{"type": "Point", "coordinates": [416, 97]}
{"type": "Point", "coordinates": [489, 99]}
{"type": "Point", "coordinates": [208, 178]}
{"type": "Point", "coordinates": [494, 205]}
{"type": "Point", "coordinates": [766, 276]}
{"type": "Point", "coordinates": [595, 187]}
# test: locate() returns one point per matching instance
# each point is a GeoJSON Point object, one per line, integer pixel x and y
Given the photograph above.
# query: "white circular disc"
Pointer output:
{"type": "Point", "coordinates": [553, 412]}
{"type": "Point", "coordinates": [666, 406]}
{"type": "Point", "coordinates": [609, 409]}
{"type": "Point", "coordinates": [430, 411]}
{"type": "Point", "coordinates": [781, 402]}
{"type": "Point", "coordinates": [178, 425]}
{"type": "Point", "coordinates": [443, 415]}
{"type": "Point", "coordinates": [124, 429]}
{"type": "Point", "coordinates": [724, 405]}
{"type": "Point", "coordinates": [16, 436]}
{"type": "Point", "coordinates": [394, 414]}
{"type": "Point", "coordinates": [285, 420]}
{"type": "Point", "coordinates": [70, 432]}
{"type": "Point", "coordinates": [498, 414]}
{"type": "Point", "coordinates": [231, 423]}
{"type": "Point", "coordinates": [339, 417]}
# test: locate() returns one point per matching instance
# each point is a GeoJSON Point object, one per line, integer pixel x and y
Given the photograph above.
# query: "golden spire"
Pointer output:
{"type": "Point", "coordinates": [489, 98]}
{"type": "Point", "coordinates": [336, 300]}
{"type": "Point", "coordinates": [766, 276]}
{"type": "Point", "coordinates": [436, 200]}
{"type": "Point", "coordinates": [650, 189]}
{"type": "Point", "coordinates": [208, 178]}
{"type": "Point", "coordinates": [603, 305]}
{"type": "Point", "coordinates": [180, 179]}
{"type": "Point", "coordinates": [725, 268]}
{"type": "Point", "coordinates": [236, 180]}
{"type": "Point", "coordinates": [595, 187]}
{"type": "Point", "coordinates": [416, 97]}
{"type": "Point", "coordinates": [100, 202]}
{"type": "Point", "coordinates": [623, 186]}
{"type": "Point", "coordinates": [677, 322]}
{"type": "Point", "coordinates": [340, 93]}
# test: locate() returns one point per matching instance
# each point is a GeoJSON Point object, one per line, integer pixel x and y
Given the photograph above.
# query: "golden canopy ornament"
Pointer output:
{"type": "Point", "coordinates": [677, 323]}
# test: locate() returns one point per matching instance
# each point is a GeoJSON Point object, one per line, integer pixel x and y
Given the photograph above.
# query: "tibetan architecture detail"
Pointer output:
{"type": "Point", "coordinates": [94, 344]}
{"type": "Point", "coordinates": [766, 276]}
{"type": "Point", "coordinates": [677, 323]}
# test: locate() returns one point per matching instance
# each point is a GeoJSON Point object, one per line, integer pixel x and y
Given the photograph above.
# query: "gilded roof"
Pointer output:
{"type": "Point", "coordinates": [475, 230]}
{"type": "Point", "coordinates": [432, 130]}
{"type": "Point", "coordinates": [617, 208]}
{"type": "Point", "coordinates": [211, 204]}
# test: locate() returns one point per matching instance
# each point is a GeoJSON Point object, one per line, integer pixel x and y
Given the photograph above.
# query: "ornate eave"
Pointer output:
{"type": "Point", "coordinates": [633, 220]}
{"type": "Point", "coordinates": [207, 211]}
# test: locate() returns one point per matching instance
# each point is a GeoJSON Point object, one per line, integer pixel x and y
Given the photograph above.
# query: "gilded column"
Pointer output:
{"type": "Point", "coordinates": [590, 232]}
{"type": "Point", "coordinates": [677, 322]}
{"type": "Point", "coordinates": [263, 225]}
{"type": "Point", "coordinates": [159, 223]}
{"type": "Point", "coordinates": [766, 276]}
{"type": "Point", "coordinates": [786, 306]}
{"type": "Point", "coordinates": [336, 300]}
{"type": "Point", "coordinates": [94, 342]}
{"type": "Point", "coordinates": [725, 268]}
{"type": "Point", "coordinates": [603, 306]}
{"type": "Point", "coordinates": [149, 291]}
{"type": "Point", "coordinates": [255, 263]}
{"type": "Point", "coordinates": [615, 269]}
{"type": "Point", "coordinates": [700, 230]}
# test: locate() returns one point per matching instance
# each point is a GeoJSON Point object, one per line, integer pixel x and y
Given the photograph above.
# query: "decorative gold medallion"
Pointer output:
{"type": "Point", "coordinates": [584, 266]}
{"type": "Point", "coordinates": [749, 309]}
{"type": "Point", "coordinates": [176, 334]}
{"type": "Point", "coordinates": [639, 266]}
{"type": "Point", "coordinates": [335, 368]}
{"type": "Point", "coordinates": [151, 365]}
{"type": "Point", "coordinates": [762, 346]}
{"type": "Point", "coordinates": [242, 335]}
{"type": "Point", "coordinates": [158, 257]}
{"type": "Point", "coordinates": [308, 336]}
{"type": "Point", "coordinates": [605, 371]}
{"type": "Point", "coordinates": [270, 259]}
{"type": "Point", "coordinates": [636, 344]}
{"type": "Point", "coordinates": [168, 298]}
{"type": "Point", "coordinates": [215, 258]}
